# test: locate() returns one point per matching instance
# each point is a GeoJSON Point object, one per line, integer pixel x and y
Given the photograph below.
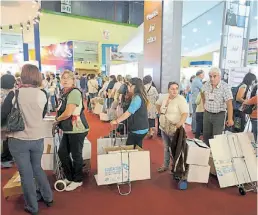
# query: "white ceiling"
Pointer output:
{"type": "Point", "coordinates": [203, 16]}
{"type": "Point", "coordinates": [16, 12]}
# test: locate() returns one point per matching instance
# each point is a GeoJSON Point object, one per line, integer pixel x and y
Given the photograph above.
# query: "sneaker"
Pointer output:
{"type": "Point", "coordinates": [73, 186]}
{"type": "Point", "coordinates": [67, 182]}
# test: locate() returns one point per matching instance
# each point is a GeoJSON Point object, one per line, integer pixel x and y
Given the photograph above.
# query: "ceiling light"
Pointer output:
{"type": "Point", "coordinates": [21, 26]}
{"type": "Point", "coordinates": [10, 27]}
{"type": "Point", "coordinates": [28, 24]}
{"type": "Point", "coordinates": [209, 22]}
{"type": "Point", "coordinates": [195, 30]}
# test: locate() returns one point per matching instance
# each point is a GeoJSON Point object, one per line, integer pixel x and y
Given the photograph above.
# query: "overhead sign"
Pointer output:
{"type": "Point", "coordinates": [66, 6]}
{"type": "Point", "coordinates": [234, 47]}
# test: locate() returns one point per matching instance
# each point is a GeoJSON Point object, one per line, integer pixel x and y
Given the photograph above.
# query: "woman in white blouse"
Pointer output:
{"type": "Point", "coordinates": [92, 89]}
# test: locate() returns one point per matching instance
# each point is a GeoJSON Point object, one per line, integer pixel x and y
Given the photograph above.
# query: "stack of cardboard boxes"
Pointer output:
{"type": "Point", "coordinates": [198, 161]}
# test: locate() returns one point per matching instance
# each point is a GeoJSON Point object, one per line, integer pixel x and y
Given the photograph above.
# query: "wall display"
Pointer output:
{"type": "Point", "coordinates": [252, 52]}
{"type": "Point", "coordinates": [236, 75]}
{"type": "Point", "coordinates": [235, 27]}
{"type": "Point", "coordinates": [123, 56]}
{"type": "Point", "coordinates": [66, 6]}
{"type": "Point", "coordinates": [152, 38]}
{"type": "Point", "coordinates": [60, 55]}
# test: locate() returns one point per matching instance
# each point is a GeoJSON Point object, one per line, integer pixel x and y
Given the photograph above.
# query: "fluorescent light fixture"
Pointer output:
{"type": "Point", "coordinates": [209, 22]}
{"type": "Point", "coordinates": [195, 30]}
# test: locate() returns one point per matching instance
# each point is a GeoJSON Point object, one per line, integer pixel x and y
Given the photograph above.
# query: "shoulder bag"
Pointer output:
{"type": "Point", "coordinates": [169, 128]}
{"type": "Point", "coordinates": [15, 121]}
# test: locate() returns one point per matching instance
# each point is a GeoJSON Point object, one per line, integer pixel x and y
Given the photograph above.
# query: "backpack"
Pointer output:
{"type": "Point", "coordinates": [234, 90]}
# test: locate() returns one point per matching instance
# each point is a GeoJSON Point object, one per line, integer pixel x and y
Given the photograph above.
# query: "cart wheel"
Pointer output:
{"type": "Point", "coordinates": [60, 186]}
{"type": "Point", "coordinates": [182, 185]}
{"type": "Point", "coordinates": [242, 191]}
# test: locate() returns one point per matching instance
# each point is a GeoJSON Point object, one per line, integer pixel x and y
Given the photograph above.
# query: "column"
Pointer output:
{"type": "Point", "coordinates": [108, 60]}
{"type": "Point", "coordinates": [37, 44]}
{"type": "Point", "coordinates": [141, 67]}
{"type": "Point", "coordinates": [162, 41]}
{"type": "Point", "coordinates": [171, 43]}
{"type": "Point", "coordinates": [234, 39]}
{"type": "Point", "coordinates": [25, 52]}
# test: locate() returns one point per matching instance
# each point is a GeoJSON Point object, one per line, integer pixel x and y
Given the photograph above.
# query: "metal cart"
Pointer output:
{"type": "Point", "coordinates": [252, 186]}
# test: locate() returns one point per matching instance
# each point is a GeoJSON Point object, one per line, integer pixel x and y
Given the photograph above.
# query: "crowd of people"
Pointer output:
{"type": "Point", "coordinates": [143, 111]}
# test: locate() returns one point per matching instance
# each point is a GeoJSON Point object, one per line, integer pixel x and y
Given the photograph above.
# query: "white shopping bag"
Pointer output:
{"type": "Point", "coordinates": [98, 108]}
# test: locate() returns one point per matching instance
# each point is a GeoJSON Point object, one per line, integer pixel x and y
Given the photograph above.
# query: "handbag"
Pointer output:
{"type": "Point", "coordinates": [15, 121]}
{"type": "Point", "coordinates": [248, 109]}
{"type": "Point", "coordinates": [169, 127]}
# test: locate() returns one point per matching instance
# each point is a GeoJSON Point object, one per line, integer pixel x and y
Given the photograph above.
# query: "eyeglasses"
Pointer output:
{"type": "Point", "coordinates": [212, 76]}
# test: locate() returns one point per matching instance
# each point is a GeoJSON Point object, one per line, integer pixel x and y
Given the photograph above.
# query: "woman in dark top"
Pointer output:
{"type": "Point", "coordinates": [7, 86]}
{"type": "Point", "coordinates": [109, 89]}
{"type": "Point", "coordinates": [137, 114]}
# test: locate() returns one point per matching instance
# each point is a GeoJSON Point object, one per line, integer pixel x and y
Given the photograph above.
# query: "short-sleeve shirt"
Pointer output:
{"type": "Point", "coordinates": [134, 106]}
{"type": "Point", "coordinates": [174, 110]}
{"type": "Point", "coordinates": [75, 98]}
{"type": "Point", "coordinates": [196, 88]}
{"type": "Point", "coordinates": [215, 99]}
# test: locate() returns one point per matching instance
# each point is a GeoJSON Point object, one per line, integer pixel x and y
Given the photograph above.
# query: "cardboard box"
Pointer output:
{"type": "Point", "coordinates": [199, 174]}
{"type": "Point", "coordinates": [198, 152]}
{"type": "Point", "coordinates": [48, 145]}
{"type": "Point", "coordinates": [47, 161]}
{"type": "Point", "coordinates": [120, 165]}
{"type": "Point", "coordinates": [13, 186]}
{"type": "Point", "coordinates": [48, 125]}
{"type": "Point", "coordinates": [103, 143]}
{"type": "Point", "coordinates": [86, 151]}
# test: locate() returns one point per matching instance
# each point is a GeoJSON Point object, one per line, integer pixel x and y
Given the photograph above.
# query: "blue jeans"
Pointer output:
{"type": "Point", "coordinates": [166, 140]}
{"type": "Point", "coordinates": [27, 155]}
{"type": "Point", "coordinates": [194, 106]}
{"type": "Point", "coordinates": [53, 102]}
{"type": "Point", "coordinates": [254, 128]}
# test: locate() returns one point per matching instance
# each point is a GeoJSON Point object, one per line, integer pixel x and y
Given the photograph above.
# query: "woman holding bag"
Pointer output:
{"type": "Point", "coordinates": [27, 144]}
{"type": "Point", "coordinates": [173, 111]}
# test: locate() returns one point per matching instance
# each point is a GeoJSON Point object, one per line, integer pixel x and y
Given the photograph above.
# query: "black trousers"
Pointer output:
{"type": "Point", "coordinates": [199, 124]}
{"type": "Point", "coordinates": [135, 139]}
{"type": "Point", "coordinates": [72, 144]}
{"type": "Point", "coordinates": [6, 155]}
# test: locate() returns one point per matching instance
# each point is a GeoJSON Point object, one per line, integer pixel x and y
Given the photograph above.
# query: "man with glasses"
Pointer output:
{"type": "Point", "coordinates": [217, 98]}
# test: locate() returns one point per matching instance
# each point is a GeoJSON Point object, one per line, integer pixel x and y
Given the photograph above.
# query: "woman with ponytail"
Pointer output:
{"type": "Point", "coordinates": [137, 114]}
